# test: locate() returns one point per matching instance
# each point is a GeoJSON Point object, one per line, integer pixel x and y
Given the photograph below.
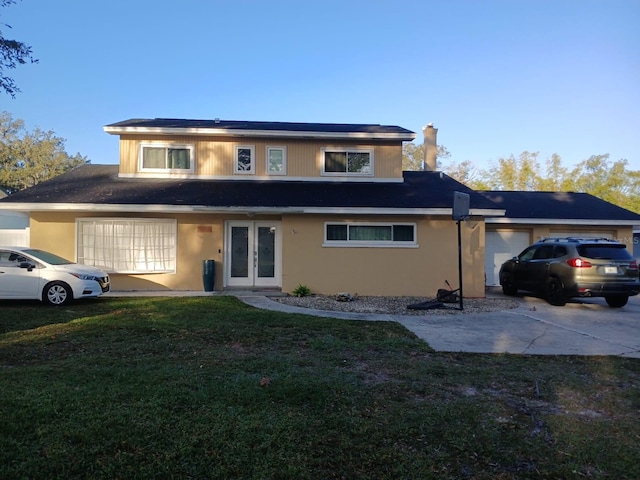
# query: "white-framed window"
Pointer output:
{"type": "Point", "coordinates": [276, 160]}
{"type": "Point", "coordinates": [370, 234]}
{"type": "Point", "coordinates": [245, 159]}
{"type": "Point", "coordinates": [347, 161]}
{"type": "Point", "coordinates": [127, 245]}
{"type": "Point", "coordinates": [163, 157]}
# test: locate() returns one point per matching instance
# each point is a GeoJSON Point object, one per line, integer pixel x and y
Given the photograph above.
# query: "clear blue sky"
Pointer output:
{"type": "Point", "coordinates": [496, 77]}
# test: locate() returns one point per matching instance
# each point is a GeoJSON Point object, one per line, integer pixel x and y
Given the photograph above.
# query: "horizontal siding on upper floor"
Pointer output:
{"type": "Point", "coordinates": [216, 156]}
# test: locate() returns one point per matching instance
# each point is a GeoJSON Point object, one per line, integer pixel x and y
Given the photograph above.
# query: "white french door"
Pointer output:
{"type": "Point", "coordinates": [253, 254]}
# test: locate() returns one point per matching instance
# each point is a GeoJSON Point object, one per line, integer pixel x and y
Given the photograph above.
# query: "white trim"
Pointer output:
{"type": "Point", "coordinates": [167, 145]}
{"type": "Point", "coordinates": [272, 177]}
{"type": "Point", "coordinates": [559, 221]}
{"type": "Point", "coordinates": [406, 137]}
{"type": "Point", "coordinates": [92, 207]}
{"type": "Point", "coordinates": [395, 211]}
{"type": "Point", "coordinates": [252, 168]}
{"type": "Point", "coordinates": [252, 279]}
{"type": "Point", "coordinates": [175, 174]}
{"type": "Point", "coordinates": [347, 151]}
{"type": "Point", "coordinates": [284, 160]}
{"type": "Point", "coordinates": [370, 243]}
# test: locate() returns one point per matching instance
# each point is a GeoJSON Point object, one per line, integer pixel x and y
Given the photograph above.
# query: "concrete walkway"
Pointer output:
{"type": "Point", "coordinates": [587, 327]}
{"type": "Point", "coordinates": [582, 327]}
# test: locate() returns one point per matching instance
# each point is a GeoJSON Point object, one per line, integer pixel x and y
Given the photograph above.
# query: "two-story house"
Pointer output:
{"type": "Point", "coordinates": [274, 204]}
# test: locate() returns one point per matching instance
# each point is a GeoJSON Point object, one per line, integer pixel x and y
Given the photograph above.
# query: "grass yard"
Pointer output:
{"type": "Point", "coordinates": [209, 388]}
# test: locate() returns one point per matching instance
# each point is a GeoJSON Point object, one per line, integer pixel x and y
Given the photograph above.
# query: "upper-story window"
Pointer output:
{"type": "Point", "coordinates": [276, 160]}
{"type": "Point", "coordinates": [166, 157]}
{"type": "Point", "coordinates": [339, 161]}
{"type": "Point", "coordinates": [245, 159]}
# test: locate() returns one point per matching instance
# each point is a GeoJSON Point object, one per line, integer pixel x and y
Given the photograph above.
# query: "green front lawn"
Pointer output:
{"type": "Point", "coordinates": [209, 388]}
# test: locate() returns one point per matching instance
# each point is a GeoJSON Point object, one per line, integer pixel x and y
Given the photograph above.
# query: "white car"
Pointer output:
{"type": "Point", "coordinates": [29, 273]}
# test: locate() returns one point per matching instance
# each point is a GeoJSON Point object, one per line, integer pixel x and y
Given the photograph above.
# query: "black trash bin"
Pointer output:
{"type": "Point", "coordinates": [208, 275]}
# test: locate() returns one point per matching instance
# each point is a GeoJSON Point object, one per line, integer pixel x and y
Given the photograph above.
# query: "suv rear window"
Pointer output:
{"type": "Point", "coordinates": [604, 252]}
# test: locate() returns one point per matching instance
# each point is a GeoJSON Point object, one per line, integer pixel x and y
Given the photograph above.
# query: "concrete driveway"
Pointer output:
{"type": "Point", "coordinates": [582, 327]}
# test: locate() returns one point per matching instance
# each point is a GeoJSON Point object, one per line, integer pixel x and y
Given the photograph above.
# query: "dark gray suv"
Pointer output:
{"type": "Point", "coordinates": [561, 268]}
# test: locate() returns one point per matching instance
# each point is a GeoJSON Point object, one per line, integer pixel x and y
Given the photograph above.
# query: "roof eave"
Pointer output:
{"type": "Point", "coordinates": [259, 133]}
{"type": "Point", "coordinates": [139, 208]}
{"type": "Point", "coordinates": [560, 221]}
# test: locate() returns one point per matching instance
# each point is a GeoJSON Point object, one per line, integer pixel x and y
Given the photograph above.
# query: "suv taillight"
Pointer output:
{"type": "Point", "coordinates": [633, 265]}
{"type": "Point", "coordinates": [579, 263]}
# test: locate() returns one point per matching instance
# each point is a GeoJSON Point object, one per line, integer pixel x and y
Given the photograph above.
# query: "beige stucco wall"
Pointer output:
{"type": "Point", "coordinates": [200, 237]}
{"type": "Point", "coordinates": [366, 271]}
{"type": "Point", "coordinates": [214, 156]}
{"type": "Point", "coordinates": [383, 271]}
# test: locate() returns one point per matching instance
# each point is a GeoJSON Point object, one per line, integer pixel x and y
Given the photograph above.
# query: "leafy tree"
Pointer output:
{"type": "Point", "coordinates": [609, 181]}
{"type": "Point", "coordinates": [557, 177]}
{"type": "Point", "coordinates": [511, 173]}
{"type": "Point", "coordinates": [413, 155]}
{"type": "Point", "coordinates": [28, 158]}
{"type": "Point", "coordinates": [12, 54]}
{"type": "Point", "coordinates": [597, 175]}
{"type": "Point", "coordinates": [466, 173]}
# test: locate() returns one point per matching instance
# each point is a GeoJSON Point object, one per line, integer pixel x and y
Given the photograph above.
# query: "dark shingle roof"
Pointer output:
{"type": "Point", "coordinates": [558, 205]}
{"type": "Point", "coordinates": [100, 184]}
{"type": "Point", "coordinates": [234, 126]}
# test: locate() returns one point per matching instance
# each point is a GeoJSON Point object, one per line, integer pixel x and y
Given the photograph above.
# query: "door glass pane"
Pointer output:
{"type": "Point", "coordinates": [266, 252]}
{"type": "Point", "coordinates": [240, 252]}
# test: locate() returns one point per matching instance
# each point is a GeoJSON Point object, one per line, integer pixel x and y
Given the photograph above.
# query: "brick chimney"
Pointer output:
{"type": "Point", "coordinates": [430, 148]}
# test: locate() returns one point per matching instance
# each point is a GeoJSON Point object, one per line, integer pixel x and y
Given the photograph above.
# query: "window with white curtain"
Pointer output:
{"type": "Point", "coordinates": [370, 234]}
{"type": "Point", "coordinates": [166, 157]}
{"type": "Point", "coordinates": [127, 245]}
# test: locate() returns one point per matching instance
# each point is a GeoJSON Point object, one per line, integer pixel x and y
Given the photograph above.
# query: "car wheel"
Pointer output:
{"type": "Point", "coordinates": [554, 292]}
{"type": "Point", "coordinates": [617, 301]}
{"type": "Point", "coordinates": [508, 285]}
{"type": "Point", "coordinates": [57, 293]}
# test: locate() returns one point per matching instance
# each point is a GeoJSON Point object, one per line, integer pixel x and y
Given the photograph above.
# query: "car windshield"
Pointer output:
{"type": "Point", "coordinates": [604, 252]}
{"type": "Point", "coordinates": [47, 257]}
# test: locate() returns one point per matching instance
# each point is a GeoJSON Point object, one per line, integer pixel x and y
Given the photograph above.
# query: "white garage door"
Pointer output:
{"type": "Point", "coordinates": [580, 234]}
{"type": "Point", "coordinates": [500, 247]}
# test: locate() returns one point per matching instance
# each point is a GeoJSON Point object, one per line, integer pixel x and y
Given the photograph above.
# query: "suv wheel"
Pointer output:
{"type": "Point", "coordinates": [508, 286]}
{"type": "Point", "coordinates": [617, 301]}
{"type": "Point", "coordinates": [57, 293]}
{"type": "Point", "coordinates": [554, 292]}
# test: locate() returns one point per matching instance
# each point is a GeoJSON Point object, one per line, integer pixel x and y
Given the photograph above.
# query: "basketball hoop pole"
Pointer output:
{"type": "Point", "coordinates": [460, 263]}
{"type": "Point", "coordinates": [460, 212]}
